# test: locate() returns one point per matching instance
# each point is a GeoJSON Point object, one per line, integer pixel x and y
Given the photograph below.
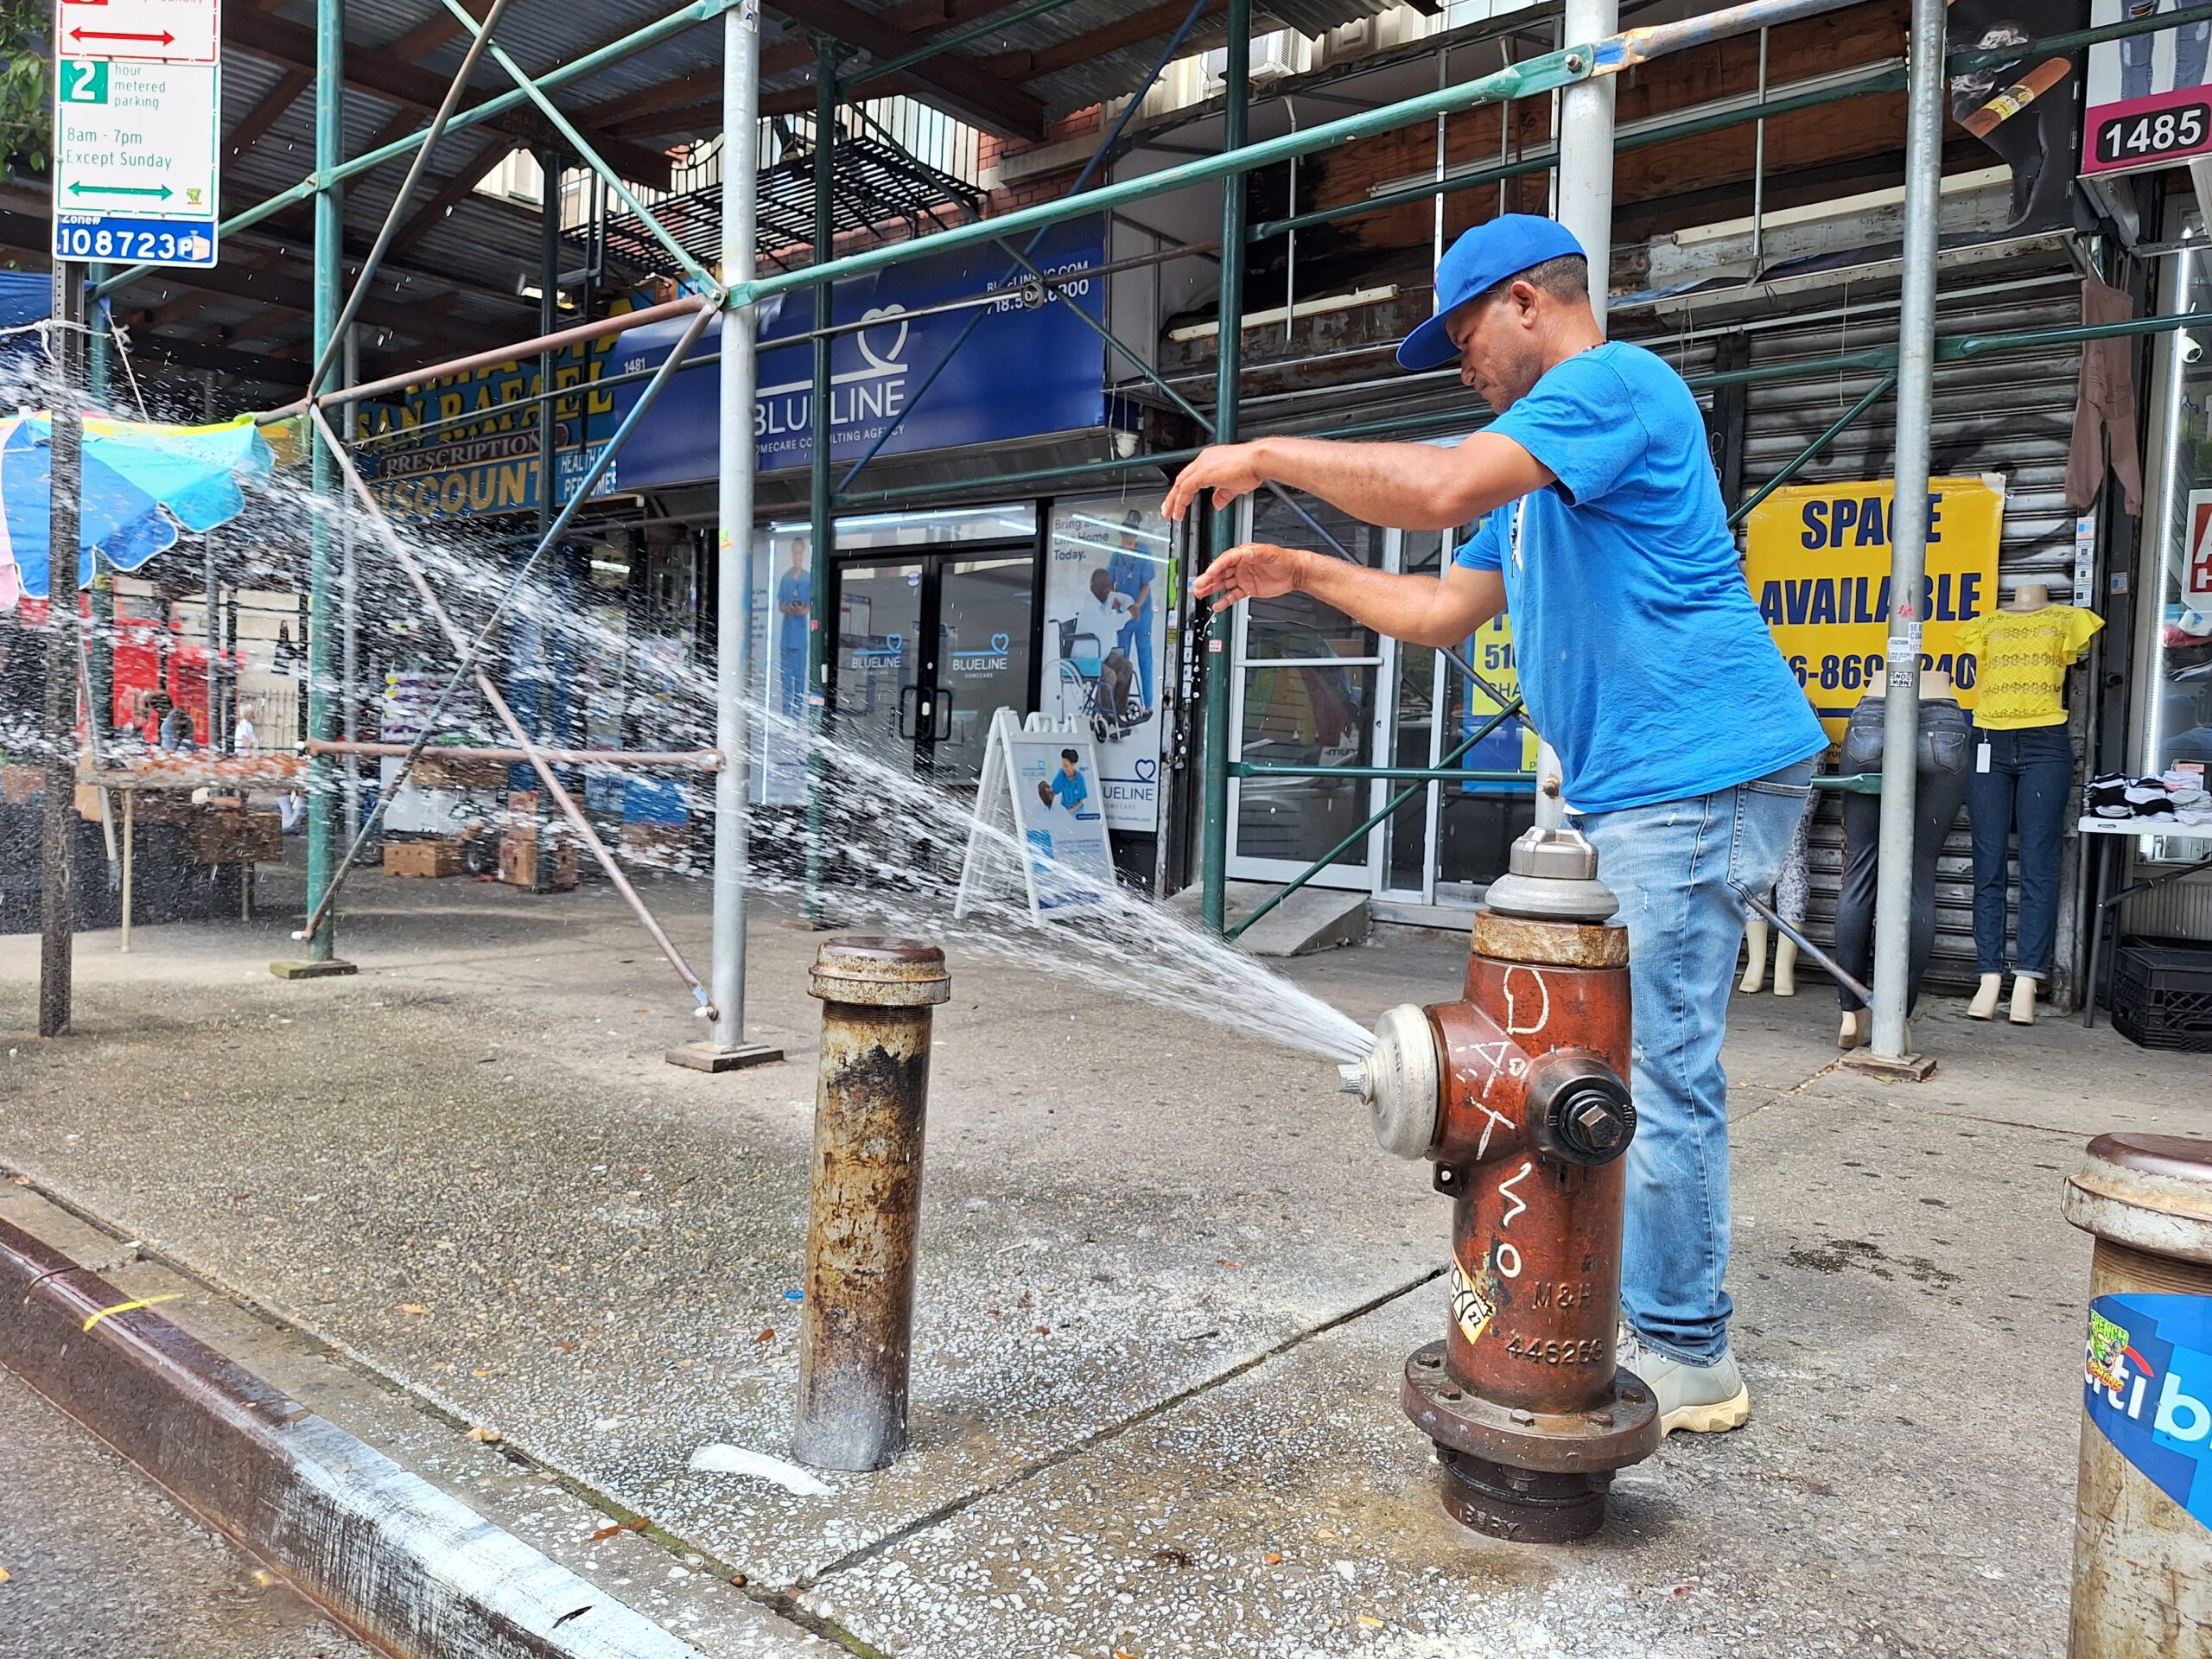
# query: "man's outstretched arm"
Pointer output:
{"type": "Point", "coordinates": [1398, 486]}
{"type": "Point", "coordinates": [1419, 610]}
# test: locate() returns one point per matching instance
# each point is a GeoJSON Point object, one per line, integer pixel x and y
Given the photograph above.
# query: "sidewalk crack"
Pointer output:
{"type": "Point", "coordinates": [1031, 1470]}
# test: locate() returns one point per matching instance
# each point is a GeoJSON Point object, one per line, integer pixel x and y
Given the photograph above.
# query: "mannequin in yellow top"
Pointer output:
{"type": "Point", "coordinates": [2023, 779]}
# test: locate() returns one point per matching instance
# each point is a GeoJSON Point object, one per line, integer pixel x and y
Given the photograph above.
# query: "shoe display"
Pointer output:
{"type": "Point", "coordinates": [1702, 1399]}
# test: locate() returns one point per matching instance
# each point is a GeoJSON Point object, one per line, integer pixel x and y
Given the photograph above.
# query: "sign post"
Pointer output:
{"type": "Point", "coordinates": [137, 99]}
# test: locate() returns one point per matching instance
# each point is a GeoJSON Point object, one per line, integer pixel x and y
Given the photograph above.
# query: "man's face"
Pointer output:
{"type": "Point", "coordinates": [1102, 583]}
{"type": "Point", "coordinates": [1499, 355]}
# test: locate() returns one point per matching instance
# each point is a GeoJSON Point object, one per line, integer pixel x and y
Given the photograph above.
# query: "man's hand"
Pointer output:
{"type": "Point", "coordinates": [1228, 469]}
{"type": "Point", "coordinates": [1255, 570]}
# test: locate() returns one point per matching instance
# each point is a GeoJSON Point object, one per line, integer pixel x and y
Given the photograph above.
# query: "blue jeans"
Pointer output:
{"type": "Point", "coordinates": [1135, 644]}
{"type": "Point", "coordinates": [2028, 787]}
{"type": "Point", "coordinates": [1680, 870]}
{"type": "Point", "coordinates": [2135, 53]}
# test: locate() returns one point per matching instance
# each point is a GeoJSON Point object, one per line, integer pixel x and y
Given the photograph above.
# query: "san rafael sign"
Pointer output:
{"type": "Point", "coordinates": [138, 97]}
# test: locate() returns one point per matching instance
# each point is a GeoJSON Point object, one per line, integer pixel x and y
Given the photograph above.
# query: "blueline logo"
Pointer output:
{"type": "Point", "coordinates": [2147, 1375]}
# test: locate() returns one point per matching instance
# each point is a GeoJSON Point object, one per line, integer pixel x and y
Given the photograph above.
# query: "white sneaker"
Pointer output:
{"type": "Point", "coordinates": [1703, 1399]}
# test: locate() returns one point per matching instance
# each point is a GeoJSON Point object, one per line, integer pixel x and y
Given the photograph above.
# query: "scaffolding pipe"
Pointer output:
{"type": "Point", "coordinates": [583, 68]}
{"type": "Point", "coordinates": [696, 759]}
{"type": "Point", "coordinates": [1229, 367]}
{"type": "Point", "coordinates": [467, 650]}
{"type": "Point", "coordinates": [821, 626]}
{"type": "Point", "coordinates": [1583, 192]}
{"type": "Point", "coordinates": [322, 598]}
{"type": "Point", "coordinates": [1545, 73]}
{"type": "Point", "coordinates": [1924, 182]}
{"type": "Point", "coordinates": [481, 37]}
{"type": "Point", "coordinates": [512, 352]}
{"type": "Point", "coordinates": [738, 376]}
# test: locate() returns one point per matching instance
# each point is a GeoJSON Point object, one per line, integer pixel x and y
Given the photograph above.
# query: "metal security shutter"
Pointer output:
{"type": "Point", "coordinates": [2008, 414]}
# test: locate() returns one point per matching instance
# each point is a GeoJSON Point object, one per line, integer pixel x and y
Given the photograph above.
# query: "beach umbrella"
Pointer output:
{"type": "Point", "coordinates": [144, 487]}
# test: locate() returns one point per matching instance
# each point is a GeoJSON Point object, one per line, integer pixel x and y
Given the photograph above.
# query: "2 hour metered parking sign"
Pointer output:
{"type": "Point", "coordinates": [138, 96]}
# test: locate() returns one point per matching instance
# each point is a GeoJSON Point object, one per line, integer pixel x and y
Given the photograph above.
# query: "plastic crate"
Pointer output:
{"type": "Point", "coordinates": [2162, 996]}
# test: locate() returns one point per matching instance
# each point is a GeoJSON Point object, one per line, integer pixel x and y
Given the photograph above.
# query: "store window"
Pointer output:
{"type": "Point", "coordinates": [1308, 678]}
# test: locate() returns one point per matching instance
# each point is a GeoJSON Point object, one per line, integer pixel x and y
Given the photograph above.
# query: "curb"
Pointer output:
{"type": "Point", "coordinates": [399, 1562]}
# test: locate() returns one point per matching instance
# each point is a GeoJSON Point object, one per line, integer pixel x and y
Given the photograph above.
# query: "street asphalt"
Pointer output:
{"type": "Point", "coordinates": [100, 1565]}
{"type": "Point", "coordinates": [1167, 1286]}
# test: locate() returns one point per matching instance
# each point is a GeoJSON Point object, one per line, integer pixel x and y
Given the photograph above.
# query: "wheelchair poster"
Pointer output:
{"type": "Point", "coordinates": [1040, 786]}
{"type": "Point", "coordinates": [1106, 598]}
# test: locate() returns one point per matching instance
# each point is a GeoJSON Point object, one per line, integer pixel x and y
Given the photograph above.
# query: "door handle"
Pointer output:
{"type": "Point", "coordinates": [908, 727]}
{"type": "Point", "coordinates": [941, 722]}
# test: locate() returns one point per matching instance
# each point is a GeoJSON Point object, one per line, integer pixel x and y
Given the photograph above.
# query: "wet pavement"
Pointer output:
{"type": "Point", "coordinates": [101, 1564]}
{"type": "Point", "coordinates": [1168, 1285]}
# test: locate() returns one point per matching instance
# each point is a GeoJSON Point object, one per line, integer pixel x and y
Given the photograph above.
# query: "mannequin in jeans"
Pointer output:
{"type": "Point", "coordinates": [1939, 778]}
{"type": "Point", "coordinates": [2022, 780]}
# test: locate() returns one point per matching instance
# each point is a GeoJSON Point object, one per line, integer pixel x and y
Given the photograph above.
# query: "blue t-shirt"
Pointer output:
{"type": "Point", "coordinates": [1642, 657]}
{"type": "Point", "coordinates": [1071, 792]}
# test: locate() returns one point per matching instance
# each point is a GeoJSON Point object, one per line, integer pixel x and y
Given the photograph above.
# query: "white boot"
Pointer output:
{"type": "Point", "coordinates": [1785, 967]}
{"type": "Point", "coordinates": [2024, 999]}
{"type": "Point", "coordinates": [1854, 1032]}
{"type": "Point", "coordinates": [1755, 932]}
{"type": "Point", "coordinates": [1984, 1004]}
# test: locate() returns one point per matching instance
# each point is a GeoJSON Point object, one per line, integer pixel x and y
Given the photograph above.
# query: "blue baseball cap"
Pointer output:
{"type": "Point", "coordinates": [1479, 260]}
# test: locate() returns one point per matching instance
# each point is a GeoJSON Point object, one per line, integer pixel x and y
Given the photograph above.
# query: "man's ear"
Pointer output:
{"type": "Point", "coordinates": [1525, 296]}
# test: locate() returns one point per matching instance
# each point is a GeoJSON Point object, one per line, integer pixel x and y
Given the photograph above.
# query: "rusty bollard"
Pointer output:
{"type": "Point", "coordinates": [865, 1198]}
{"type": "Point", "coordinates": [2142, 1553]}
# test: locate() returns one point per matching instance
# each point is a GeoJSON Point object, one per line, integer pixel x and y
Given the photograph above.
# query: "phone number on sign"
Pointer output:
{"type": "Point", "coordinates": [1849, 672]}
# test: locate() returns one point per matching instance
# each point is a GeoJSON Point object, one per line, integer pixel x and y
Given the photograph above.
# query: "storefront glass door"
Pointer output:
{"type": "Point", "coordinates": [928, 648]}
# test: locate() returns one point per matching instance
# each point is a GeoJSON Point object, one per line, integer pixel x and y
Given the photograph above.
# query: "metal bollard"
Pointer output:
{"type": "Point", "coordinates": [865, 1198]}
{"type": "Point", "coordinates": [2142, 1553]}
{"type": "Point", "coordinates": [1514, 1093]}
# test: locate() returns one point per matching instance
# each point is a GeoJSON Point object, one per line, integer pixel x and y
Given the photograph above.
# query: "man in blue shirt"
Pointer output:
{"type": "Point", "coordinates": [1685, 742]}
{"type": "Point", "coordinates": [794, 594]}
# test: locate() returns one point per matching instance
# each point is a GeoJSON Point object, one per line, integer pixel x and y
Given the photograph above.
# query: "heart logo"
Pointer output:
{"type": "Point", "coordinates": [890, 360]}
{"type": "Point", "coordinates": [998, 642]}
{"type": "Point", "coordinates": [895, 641]}
{"type": "Point", "coordinates": [1147, 772]}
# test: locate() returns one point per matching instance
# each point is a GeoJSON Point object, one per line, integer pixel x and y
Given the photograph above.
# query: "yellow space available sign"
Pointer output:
{"type": "Point", "coordinates": [1818, 563]}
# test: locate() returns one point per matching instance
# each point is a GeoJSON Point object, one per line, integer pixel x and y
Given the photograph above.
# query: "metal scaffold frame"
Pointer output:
{"type": "Point", "coordinates": [733, 294]}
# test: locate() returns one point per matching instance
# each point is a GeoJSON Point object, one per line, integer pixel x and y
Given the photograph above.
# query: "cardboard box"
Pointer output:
{"type": "Point", "coordinates": [432, 770]}
{"type": "Point", "coordinates": [522, 814]}
{"type": "Point", "coordinates": [665, 845]}
{"type": "Point", "coordinates": [520, 862]}
{"type": "Point", "coordinates": [442, 857]}
{"type": "Point", "coordinates": [226, 835]}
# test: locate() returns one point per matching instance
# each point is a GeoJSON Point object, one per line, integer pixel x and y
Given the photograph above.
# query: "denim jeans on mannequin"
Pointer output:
{"type": "Point", "coordinates": [1680, 870]}
{"type": "Point", "coordinates": [2136, 53]}
{"type": "Point", "coordinates": [2027, 786]}
{"type": "Point", "coordinates": [1941, 775]}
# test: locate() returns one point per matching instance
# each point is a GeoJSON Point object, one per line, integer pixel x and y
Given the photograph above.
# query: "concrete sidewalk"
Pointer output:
{"type": "Point", "coordinates": [1167, 1288]}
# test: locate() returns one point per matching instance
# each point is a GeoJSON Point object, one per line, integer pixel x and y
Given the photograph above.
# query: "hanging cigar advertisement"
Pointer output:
{"type": "Point", "coordinates": [2022, 103]}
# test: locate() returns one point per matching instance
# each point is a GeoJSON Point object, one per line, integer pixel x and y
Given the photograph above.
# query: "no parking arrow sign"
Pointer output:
{"type": "Point", "coordinates": [138, 94]}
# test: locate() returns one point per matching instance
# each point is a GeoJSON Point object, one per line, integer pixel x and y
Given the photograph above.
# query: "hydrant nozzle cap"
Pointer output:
{"type": "Point", "coordinates": [1552, 875]}
{"type": "Point", "coordinates": [1403, 1082]}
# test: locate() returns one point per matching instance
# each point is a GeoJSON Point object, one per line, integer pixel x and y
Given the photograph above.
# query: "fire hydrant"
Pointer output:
{"type": "Point", "coordinates": [1515, 1094]}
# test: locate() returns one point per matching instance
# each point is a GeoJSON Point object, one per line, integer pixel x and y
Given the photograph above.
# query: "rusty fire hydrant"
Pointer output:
{"type": "Point", "coordinates": [865, 1198]}
{"type": "Point", "coordinates": [1515, 1094]}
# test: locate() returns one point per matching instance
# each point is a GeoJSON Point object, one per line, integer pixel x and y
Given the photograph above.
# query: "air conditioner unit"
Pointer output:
{"type": "Point", "coordinates": [1274, 56]}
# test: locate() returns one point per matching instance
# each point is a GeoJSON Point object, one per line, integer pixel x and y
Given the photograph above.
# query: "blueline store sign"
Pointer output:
{"type": "Point", "coordinates": [1027, 369]}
